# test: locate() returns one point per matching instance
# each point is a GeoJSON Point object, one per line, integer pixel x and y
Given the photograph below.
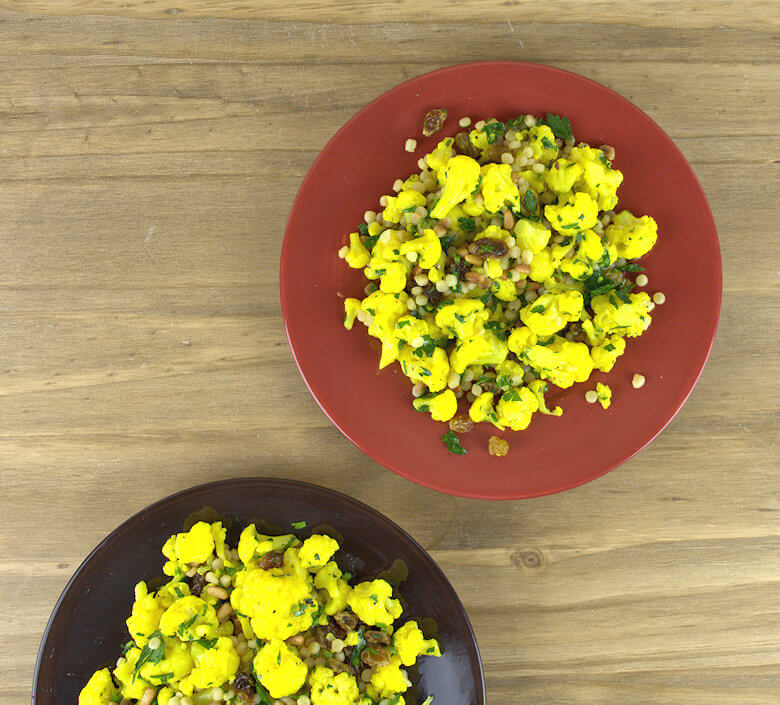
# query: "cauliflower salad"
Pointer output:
{"type": "Point", "coordinates": [274, 621]}
{"type": "Point", "coordinates": [501, 268]}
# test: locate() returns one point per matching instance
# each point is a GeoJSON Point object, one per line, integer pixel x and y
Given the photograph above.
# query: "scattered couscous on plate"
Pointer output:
{"type": "Point", "coordinates": [273, 621]}
{"type": "Point", "coordinates": [502, 267]}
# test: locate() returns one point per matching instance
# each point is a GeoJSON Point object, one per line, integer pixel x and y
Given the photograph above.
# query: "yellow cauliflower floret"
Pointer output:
{"type": "Point", "coordinates": [504, 289]}
{"type": "Point", "coordinates": [498, 188]}
{"type": "Point", "coordinates": [252, 545]}
{"type": "Point", "coordinates": [385, 309]}
{"type": "Point", "coordinates": [542, 140]}
{"type": "Point", "coordinates": [482, 409]}
{"type": "Point", "coordinates": [591, 247]}
{"type": "Point", "coordinates": [605, 354]}
{"type": "Point", "coordinates": [215, 664]}
{"type": "Point", "coordinates": [479, 139]}
{"type": "Point", "coordinates": [482, 348]}
{"type": "Point", "coordinates": [427, 247]}
{"type": "Point", "coordinates": [145, 616]}
{"type": "Point", "coordinates": [472, 207]}
{"type": "Point", "coordinates": [531, 236]}
{"type": "Point", "coordinates": [613, 315]}
{"type": "Point", "coordinates": [599, 179]}
{"type": "Point", "coordinates": [551, 312]}
{"type": "Point", "coordinates": [462, 317]}
{"type": "Point", "coordinates": [316, 551]}
{"type": "Point", "coordinates": [328, 688]}
{"type": "Point", "coordinates": [520, 340]}
{"type": "Point", "coordinates": [189, 618]}
{"type": "Point", "coordinates": [409, 643]}
{"type": "Point", "coordinates": [373, 603]}
{"type": "Point", "coordinates": [439, 157]}
{"type": "Point", "coordinates": [194, 546]}
{"type": "Point", "coordinates": [562, 175]}
{"type": "Point", "coordinates": [578, 212]}
{"type": "Point", "coordinates": [279, 669]}
{"type": "Point", "coordinates": [164, 695]}
{"type": "Point", "coordinates": [536, 182]}
{"type": "Point", "coordinates": [561, 361]}
{"type": "Point", "coordinates": [442, 406]}
{"type": "Point", "coordinates": [357, 255]}
{"type": "Point", "coordinates": [277, 602]}
{"type": "Point", "coordinates": [604, 394]}
{"type": "Point", "coordinates": [539, 387]}
{"type": "Point", "coordinates": [461, 175]}
{"type": "Point", "coordinates": [408, 328]}
{"type": "Point", "coordinates": [351, 308]}
{"type": "Point", "coordinates": [405, 201]}
{"type": "Point", "coordinates": [493, 268]}
{"type": "Point", "coordinates": [543, 265]}
{"type": "Point", "coordinates": [516, 407]}
{"type": "Point", "coordinates": [175, 664]}
{"type": "Point", "coordinates": [98, 690]}
{"type": "Point", "coordinates": [431, 370]}
{"type": "Point", "coordinates": [633, 237]}
{"type": "Point", "coordinates": [389, 680]}
{"type": "Point", "coordinates": [131, 685]}
{"type": "Point", "coordinates": [329, 579]}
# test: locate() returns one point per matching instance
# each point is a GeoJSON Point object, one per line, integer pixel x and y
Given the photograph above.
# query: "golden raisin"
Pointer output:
{"type": "Point", "coordinates": [497, 446]}
{"type": "Point", "coordinates": [433, 121]}
{"type": "Point", "coordinates": [461, 424]}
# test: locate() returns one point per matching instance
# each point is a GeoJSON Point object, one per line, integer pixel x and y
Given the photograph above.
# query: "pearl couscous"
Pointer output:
{"type": "Point", "coordinates": [503, 267]}
{"type": "Point", "coordinates": [274, 621]}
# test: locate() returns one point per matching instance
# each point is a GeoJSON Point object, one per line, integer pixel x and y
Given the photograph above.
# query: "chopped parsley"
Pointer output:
{"type": "Point", "coordinates": [538, 309]}
{"type": "Point", "coordinates": [467, 224]}
{"type": "Point", "coordinates": [559, 125]}
{"type": "Point", "coordinates": [511, 395]}
{"type": "Point", "coordinates": [493, 130]}
{"type": "Point", "coordinates": [547, 144]}
{"type": "Point", "coordinates": [298, 525]}
{"type": "Point", "coordinates": [630, 267]}
{"type": "Point", "coordinates": [363, 229]}
{"type": "Point", "coordinates": [207, 643]}
{"type": "Point", "coordinates": [453, 443]}
{"type": "Point", "coordinates": [148, 655]}
{"type": "Point", "coordinates": [529, 201]}
{"type": "Point", "coordinates": [605, 161]}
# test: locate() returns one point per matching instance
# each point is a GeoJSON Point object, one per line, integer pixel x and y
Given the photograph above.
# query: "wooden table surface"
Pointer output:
{"type": "Point", "coordinates": [149, 154]}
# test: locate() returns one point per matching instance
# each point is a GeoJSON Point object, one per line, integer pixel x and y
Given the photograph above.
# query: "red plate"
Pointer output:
{"type": "Point", "coordinates": [373, 409]}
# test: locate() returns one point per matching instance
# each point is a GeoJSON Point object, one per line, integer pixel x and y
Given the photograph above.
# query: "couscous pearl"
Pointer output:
{"type": "Point", "coordinates": [217, 694]}
{"type": "Point", "coordinates": [591, 397]}
{"type": "Point", "coordinates": [410, 145]}
{"type": "Point", "coordinates": [421, 279]}
{"type": "Point", "coordinates": [522, 161]}
{"type": "Point", "coordinates": [417, 290]}
{"type": "Point", "coordinates": [398, 185]}
{"type": "Point", "coordinates": [418, 390]}
{"type": "Point", "coordinates": [154, 643]}
{"type": "Point", "coordinates": [517, 380]}
{"type": "Point", "coordinates": [217, 564]}
{"type": "Point", "coordinates": [366, 675]}
{"type": "Point", "coordinates": [211, 578]}
{"type": "Point", "coordinates": [659, 297]}
{"type": "Point", "coordinates": [510, 241]}
{"type": "Point", "coordinates": [385, 236]}
{"type": "Point", "coordinates": [441, 286]}
{"type": "Point", "coordinates": [453, 380]}
{"type": "Point", "coordinates": [337, 645]}
{"type": "Point", "coordinates": [538, 168]}
{"type": "Point", "coordinates": [422, 212]}
{"type": "Point", "coordinates": [530, 295]}
{"type": "Point", "coordinates": [529, 120]}
{"type": "Point", "coordinates": [451, 280]}
{"type": "Point", "coordinates": [421, 300]}
{"type": "Point", "coordinates": [309, 662]}
{"type": "Point", "coordinates": [418, 342]}
{"type": "Point", "coordinates": [303, 652]}
{"type": "Point", "coordinates": [507, 158]}
{"type": "Point", "coordinates": [476, 390]}
{"type": "Point", "coordinates": [186, 700]}
{"type": "Point", "coordinates": [514, 144]}
{"type": "Point", "coordinates": [464, 121]}
{"type": "Point", "coordinates": [410, 304]}
{"type": "Point", "coordinates": [412, 256]}
{"type": "Point", "coordinates": [383, 201]}
{"type": "Point", "coordinates": [314, 648]}
{"type": "Point", "coordinates": [641, 280]}
{"type": "Point", "coordinates": [527, 256]}
{"type": "Point", "coordinates": [369, 216]}
{"type": "Point", "coordinates": [341, 656]}
{"type": "Point", "coordinates": [343, 252]}
{"type": "Point", "coordinates": [304, 700]}
{"type": "Point", "coordinates": [638, 381]}
{"type": "Point", "coordinates": [225, 581]}
{"type": "Point", "coordinates": [513, 305]}
{"type": "Point", "coordinates": [527, 152]}
{"type": "Point", "coordinates": [514, 252]}
{"type": "Point", "coordinates": [479, 124]}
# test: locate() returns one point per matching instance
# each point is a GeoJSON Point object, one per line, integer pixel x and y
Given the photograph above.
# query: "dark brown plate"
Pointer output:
{"type": "Point", "coordinates": [87, 628]}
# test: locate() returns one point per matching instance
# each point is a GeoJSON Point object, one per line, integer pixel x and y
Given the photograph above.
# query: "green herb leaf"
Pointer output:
{"type": "Point", "coordinates": [494, 130]}
{"type": "Point", "coordinates": [511, 395]}
{"type": "Point", "coordinates": [363, 229]}
{"type": "Point", "coordinates": [547, 144]}
{"type": "Point", "coordinates": [298, 525]}
{"type": "Point", "coordinates": [148, 655]}
{"type": "Point", "coordinates": [207, 643]}
{"type": "Point", "coordinates": [358, 648]}
{"type": "Point", "coordinates": [560, 126]}
{"type": "Point", "coordinates": [605, 161]}
{"type": "Point", "coordinates": [467, 224]}
{"type": "Point", "coordinates": [453, 444]}
{"type": "Point", "coordinates": [538, 309]}
{"type": "Point", "coordinates": [514, 123]}
{"type": "Point", "coordinates": [115, 698]}
{"type": "Point", "coordinates": [529, 201]}
{"type": "Point", "coordinates": [630, 267]}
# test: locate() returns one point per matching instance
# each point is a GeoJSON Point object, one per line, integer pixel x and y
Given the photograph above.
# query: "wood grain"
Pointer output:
{"type": "Point", "coordinates": [150, 152]}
